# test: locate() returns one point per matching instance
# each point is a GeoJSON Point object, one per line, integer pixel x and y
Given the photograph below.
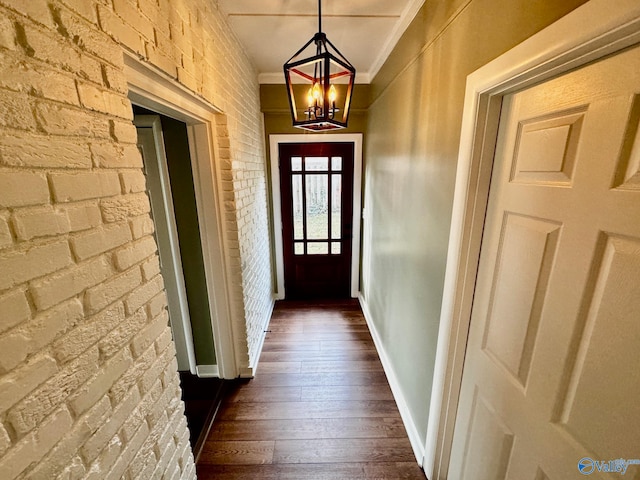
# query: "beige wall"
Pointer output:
{"type": "Point", "coordinates": [88, 380]}
{"type": "Point", "coordinates": [411, 147]}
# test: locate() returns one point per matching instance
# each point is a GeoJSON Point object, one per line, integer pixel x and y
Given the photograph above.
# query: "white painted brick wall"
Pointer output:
{"type": "Point", "coordinates": [70, 282]}
{"type": "Point", "coordinates": [18, 189]}
{"type": "Point", "coordinates": [40, 222]}
{"type": "Point", "coordinates": [70, 187]}
{"type": "Point", "coordinates": [88, 376]}
{"type": "Point", "coordinates": [22, 149]}
{"type": "Point", "coordinates": [31, 336]}
{"type": "Point", "coordinates": [15, 309]}
{"type": "Point", "coordinates": [5, 233]}
{"type": "Point", "coordinates": [100, 240]}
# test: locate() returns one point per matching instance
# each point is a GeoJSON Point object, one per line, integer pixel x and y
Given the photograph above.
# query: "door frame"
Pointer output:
{"type": "Point", "coordinates": [274, 147]}
{"type": "Point", "coordinates": [151, 88]}
{"type": "Point", "coordinates": [156, 171]}
{"type": "Point", "coordinates": [590, 32]}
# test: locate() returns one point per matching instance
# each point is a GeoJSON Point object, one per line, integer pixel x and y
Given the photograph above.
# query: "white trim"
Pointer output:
{"type": "Point", "coordinates": [210, 220]}
{"type": "Point", "coordinates": [276, 217]}
{"type": "Point", "coordinates": [208, 371]}
{"type": "Point", "coordinates": [251, 371]}
{"type": "Point", "coordinates": [168, 245]}
{"type": "Point", "coordinates": [163, 94]}
{"type": "Point", "coordinates": [407, 419]}
{"type": "Point", "coordinates": [274, 142]}
{"type": "Point", "coordinates": [153, 89]}
{"type": "Point", "coordinates": [357, 217]}
{"type": "Point", "coordinates": [409, 13]}
{"type": "Point", "coordinates": [278, 77]}
{"type": "Point", "coordinates": [595, 29]}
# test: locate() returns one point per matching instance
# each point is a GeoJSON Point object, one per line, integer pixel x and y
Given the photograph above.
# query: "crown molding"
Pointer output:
{"type": "Point", "coordinates": [278, 77]}
{"type": "Point", "coordinates": [406, 18]}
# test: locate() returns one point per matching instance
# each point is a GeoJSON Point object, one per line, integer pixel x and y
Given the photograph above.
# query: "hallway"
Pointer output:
{"type": "Point", "coordinates": [320, 406]}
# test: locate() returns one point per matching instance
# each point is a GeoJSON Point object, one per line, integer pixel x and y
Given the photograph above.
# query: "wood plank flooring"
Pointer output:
{"type": "Point", "coordinates": [319, 407]}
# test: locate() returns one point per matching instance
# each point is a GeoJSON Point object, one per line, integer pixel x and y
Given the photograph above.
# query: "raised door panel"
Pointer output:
{"type": "Point", "coordinates": [628, 171]}
{"type": "Point", "coordinates": [488, 445]}
{"type": "Point", "coordinates": [525, 258]}
{"type": "Point", "coordinates": [603, 390]}
{"type": "Point", "coordinates": [546, 149]}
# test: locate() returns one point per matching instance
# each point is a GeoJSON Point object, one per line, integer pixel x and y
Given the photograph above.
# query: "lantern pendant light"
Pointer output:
{"type": "Point", "coordinates": [319, 86]}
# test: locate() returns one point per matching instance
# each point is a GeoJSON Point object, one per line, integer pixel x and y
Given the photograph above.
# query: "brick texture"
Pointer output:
{"type": "Point", "coordinates": [18, 189]}
{"type": "Point", "coordinates": [40, 222]}
{"type": "Point", "coordinates": [5, 232]}
{"type": "Point", "coordinates": [88, 377]}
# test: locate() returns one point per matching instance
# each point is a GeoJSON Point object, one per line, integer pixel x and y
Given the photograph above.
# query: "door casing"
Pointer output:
{"type": "Point", "coordinates": [163, 214]}
{"type": "Point", "coordinates": [590, 32]}
{"type": "Point", "coordinates": [274, 143]}
{"type": "Point", "coordinates": [152, 89]}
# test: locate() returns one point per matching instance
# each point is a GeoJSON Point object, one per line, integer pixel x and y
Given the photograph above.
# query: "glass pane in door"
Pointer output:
{"type": "Point", "coordinates": [336, 206]}
{"type": "Point", "coordinates": [318, 248]}
{"type": "Point", "coordinates": [298, 207]}
{"type": "Point", "coordinates": [317, 197]}
{"type": "Point", "coordinates": [315, 164]}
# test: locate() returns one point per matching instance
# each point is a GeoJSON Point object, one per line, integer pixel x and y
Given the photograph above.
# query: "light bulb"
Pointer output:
{"type": "Point", "coordinates": [317, 93]}
{"type": "Point", "coordinates": [310, 97]}
{"type": "Point", "coordinates": [333, 94]}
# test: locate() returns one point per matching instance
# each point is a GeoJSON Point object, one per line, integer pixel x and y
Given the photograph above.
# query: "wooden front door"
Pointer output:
{"type": "Point", "coordinates": [550, 386]}
{"type": "Point", "coordinates": [316, 182]}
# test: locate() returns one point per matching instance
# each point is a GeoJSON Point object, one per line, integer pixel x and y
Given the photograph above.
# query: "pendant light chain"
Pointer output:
{"type": "Point", "coordinates": [318, 44]}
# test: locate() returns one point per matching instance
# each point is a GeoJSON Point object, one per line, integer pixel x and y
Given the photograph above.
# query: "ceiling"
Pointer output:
{"type": "Point", "coordinates": [365, 31]}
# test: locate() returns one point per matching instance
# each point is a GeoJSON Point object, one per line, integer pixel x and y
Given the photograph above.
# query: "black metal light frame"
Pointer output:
{"type": "Point", "coordinates": [322, 111]}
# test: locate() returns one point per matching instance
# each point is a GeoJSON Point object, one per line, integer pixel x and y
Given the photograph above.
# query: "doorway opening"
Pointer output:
{"type": "Point", "coordinates": [589, 33]}
{"type": "Point", "coordinates": [321, 244]}
{"type": "Point", "coordinates": [190, 123]}
{"type": "Point", "coordinates": [153, 91]}
{"type": "Point", "coordinates": [164, 144]}
{"type": "Point", "coordinates": [165, 149]}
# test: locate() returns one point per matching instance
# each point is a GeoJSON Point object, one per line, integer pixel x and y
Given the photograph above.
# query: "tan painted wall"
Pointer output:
{"type": "Point", "coordinates": [411, 147]}
{"type": "Point", "coordinates": [88, 380]}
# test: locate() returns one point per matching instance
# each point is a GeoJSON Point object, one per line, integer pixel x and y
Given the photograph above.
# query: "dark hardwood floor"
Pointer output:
{"type": "Point", "coordinates": [319, 407]}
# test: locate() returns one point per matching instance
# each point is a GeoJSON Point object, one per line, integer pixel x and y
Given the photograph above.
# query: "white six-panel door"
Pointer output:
{"type": "Point", "coordinates": [552, 369]}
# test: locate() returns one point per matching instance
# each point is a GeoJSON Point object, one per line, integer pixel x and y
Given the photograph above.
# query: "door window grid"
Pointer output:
{"type": "Point", "coordinates": [317, 202]}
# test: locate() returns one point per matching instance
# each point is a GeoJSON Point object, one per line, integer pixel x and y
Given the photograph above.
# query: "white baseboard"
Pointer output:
{"type": "Point", "coordinates": [207, 371]}
{"type": "Point", "coordinates": [416, 440]}
{"type": "Point", "coordinates": [250, 371]}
